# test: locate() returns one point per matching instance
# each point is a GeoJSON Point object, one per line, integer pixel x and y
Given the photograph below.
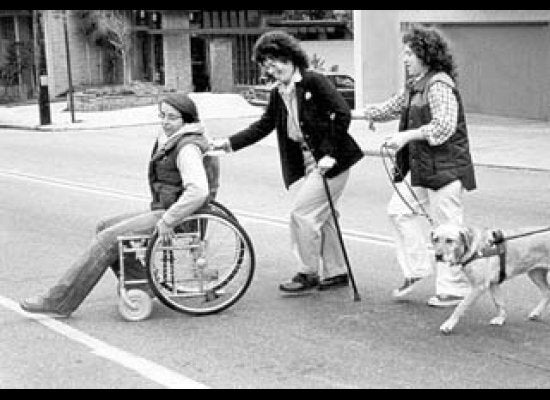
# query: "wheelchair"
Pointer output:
{"type": "Point", "coordinates": [206, 268]}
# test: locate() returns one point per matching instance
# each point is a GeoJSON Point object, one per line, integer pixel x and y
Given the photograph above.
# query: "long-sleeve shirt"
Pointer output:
{"type": "Point", "coordinates": [443, 106]}
{"type": "Point", "coordinates": [193, 176]}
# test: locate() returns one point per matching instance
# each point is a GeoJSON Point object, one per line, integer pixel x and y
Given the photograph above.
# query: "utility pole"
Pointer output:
{"type": "Point", "coordinates": [41, 80]}
{"type": "Point", "coordinates": [69, 75]}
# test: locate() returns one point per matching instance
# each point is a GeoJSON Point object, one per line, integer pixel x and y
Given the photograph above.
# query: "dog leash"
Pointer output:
{"type": "Point", "coordinates": [396, 189]}
{"type": "Point", "coordinates": [499, 237]}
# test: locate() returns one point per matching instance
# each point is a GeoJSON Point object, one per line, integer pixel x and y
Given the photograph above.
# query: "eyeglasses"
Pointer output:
{"type": "Point", "coordinates": [271, 63]}
{"type": "Point", "coordinates": [169, 117]}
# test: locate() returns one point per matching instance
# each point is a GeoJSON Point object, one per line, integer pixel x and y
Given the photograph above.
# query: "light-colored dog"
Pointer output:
{"type": "Point", "coordinates": [527, 251]}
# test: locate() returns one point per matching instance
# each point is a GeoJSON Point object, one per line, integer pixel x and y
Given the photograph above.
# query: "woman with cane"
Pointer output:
{"type": "Point", "coordinates": [433, 162]}
{"type": "Point", "coordinates": [311, 119]}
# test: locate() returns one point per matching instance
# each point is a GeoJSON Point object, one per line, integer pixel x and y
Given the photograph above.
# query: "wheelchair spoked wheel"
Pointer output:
{"type": "Point", "coordinates": [218, 207]}
{"type": "Point", "coordinates": [206, 268]}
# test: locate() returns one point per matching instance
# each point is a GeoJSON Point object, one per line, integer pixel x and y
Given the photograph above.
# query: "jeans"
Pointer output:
{"type": "Point", "coordinates": [84, 273]}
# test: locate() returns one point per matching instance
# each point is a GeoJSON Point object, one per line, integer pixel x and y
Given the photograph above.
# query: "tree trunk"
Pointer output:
{"type": "Point", "coordinates": [125, 74]}
{"type": "Point", "coordinates": [88, 63]}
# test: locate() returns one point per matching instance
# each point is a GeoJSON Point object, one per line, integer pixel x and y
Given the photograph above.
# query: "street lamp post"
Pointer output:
{"type": "Point", "coordinates": [69, 75]}
{"type": "Point", "coordinates": [41, 80]}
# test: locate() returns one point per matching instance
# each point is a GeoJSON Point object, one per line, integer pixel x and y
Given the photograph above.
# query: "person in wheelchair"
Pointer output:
{"type": "Point", "coordinates": [182, 179]}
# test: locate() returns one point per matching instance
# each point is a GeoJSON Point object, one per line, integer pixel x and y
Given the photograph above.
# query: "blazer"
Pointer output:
{"type": "Point", "coordinates": [324, 119]}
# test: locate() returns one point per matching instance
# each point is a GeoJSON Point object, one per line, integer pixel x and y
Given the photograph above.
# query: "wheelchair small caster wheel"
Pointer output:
{"type": "Point", "coordinates": [135, 305]}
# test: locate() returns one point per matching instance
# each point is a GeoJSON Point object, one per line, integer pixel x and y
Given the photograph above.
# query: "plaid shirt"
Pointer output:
{"type": "Point", "coordinates": [443, 105]}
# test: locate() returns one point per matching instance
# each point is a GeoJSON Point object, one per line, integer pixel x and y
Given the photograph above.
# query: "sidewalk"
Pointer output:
{"type": "Point", "coordinates": [495, 141]}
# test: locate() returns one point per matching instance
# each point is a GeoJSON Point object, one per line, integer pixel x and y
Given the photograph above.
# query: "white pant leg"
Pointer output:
{"type": "Point", "coordinates": [313, 235]}
{"type": "Point", "coordinates": [332, 256]}
{"type": "Point", "coordinates": [447, 206]}
{"type": "Point", "coordinates": [411, 230]}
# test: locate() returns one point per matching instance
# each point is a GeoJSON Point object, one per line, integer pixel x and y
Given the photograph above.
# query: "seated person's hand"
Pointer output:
{"type": "Point", "coordinates": [325, 164]}
{"type": "Point", "coordinates": [165, 232]}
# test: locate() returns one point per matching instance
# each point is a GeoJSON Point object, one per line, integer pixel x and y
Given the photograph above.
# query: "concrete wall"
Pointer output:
{"type": "Point", "coordinates": [378, 71]}
{"type": "Point", "coordinates": [502, 55]}
{"type": "Point", "coordinates": [221, 64]}
{"type": "Point", "coordinates": [177, 52]}
{"type": "Point", "coordinates": [503, 69]}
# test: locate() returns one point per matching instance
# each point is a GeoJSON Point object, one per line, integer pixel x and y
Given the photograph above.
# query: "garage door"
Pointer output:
{"type": "Point", "coordinates": [503, 68]}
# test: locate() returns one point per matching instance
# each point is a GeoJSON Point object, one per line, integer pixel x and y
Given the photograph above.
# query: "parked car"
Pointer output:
{"type": "Point", "coordinates": [259, 95]}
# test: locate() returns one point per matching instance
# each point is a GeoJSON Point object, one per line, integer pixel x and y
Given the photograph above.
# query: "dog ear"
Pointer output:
{"type": "Point", "coordinates": [467, 237]}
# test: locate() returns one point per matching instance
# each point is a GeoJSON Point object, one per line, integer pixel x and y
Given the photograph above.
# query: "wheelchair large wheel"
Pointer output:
{"type": "Point", "coordinates": [206, 268]}
{"type": "Point", "coordinates": [220, 208]}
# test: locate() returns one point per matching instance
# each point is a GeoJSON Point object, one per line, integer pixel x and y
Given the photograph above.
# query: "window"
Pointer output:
{"type": "Point", "coordinates": [7, 28]}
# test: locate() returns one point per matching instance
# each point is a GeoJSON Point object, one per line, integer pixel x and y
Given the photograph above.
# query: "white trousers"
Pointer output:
{"type": "Point", "coordinates": [411, 232]}
{"type": "Point", "coordinates": [314, 237]}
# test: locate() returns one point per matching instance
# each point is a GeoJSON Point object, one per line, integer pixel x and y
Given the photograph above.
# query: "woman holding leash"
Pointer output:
{"type": "Point", "coordinates": [311, 119]}
{"type": "Point", "coordinates": [433, 161]}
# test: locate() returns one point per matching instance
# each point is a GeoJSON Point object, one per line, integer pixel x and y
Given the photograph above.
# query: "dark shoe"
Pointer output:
{"type": "Point", "coordinates": [333, 282]}
{"type": "Point", "coordinates": [39, 305]}
{"type": "Point", "coordinates": [301, 282]}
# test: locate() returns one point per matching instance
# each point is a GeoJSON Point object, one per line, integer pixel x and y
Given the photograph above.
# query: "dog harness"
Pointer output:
{"type": "Point", "coordinates": [498, 248]}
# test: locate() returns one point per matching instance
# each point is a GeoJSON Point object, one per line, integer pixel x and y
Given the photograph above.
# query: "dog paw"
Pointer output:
{"type": "Point", "coordinates": [498, 321]}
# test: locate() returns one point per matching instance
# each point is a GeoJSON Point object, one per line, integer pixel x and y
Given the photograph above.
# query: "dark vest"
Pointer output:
{"type": "Point", "coordinates": [433, 166]}
{"type": "Point", "coordinates": [164, 177]}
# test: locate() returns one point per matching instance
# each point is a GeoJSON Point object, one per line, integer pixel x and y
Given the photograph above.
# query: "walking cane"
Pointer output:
{"type": "Point", "coordinates": [356, 296]}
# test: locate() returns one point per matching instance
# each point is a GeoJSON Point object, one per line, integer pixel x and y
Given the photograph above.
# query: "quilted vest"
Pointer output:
{"type": "Point", "coordinates": [433, 166]}
{"type": "Point", "coordinates": [164, 177]}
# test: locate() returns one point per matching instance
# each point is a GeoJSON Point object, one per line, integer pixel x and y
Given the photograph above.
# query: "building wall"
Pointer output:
{"type": "Point", "coordinates": [55, 52]}
{"type": "Point", "coordinates": [221, 64]}
{"type": "Point", "coordinates": [88, 61]}
{"type": "Point", "coordinates": [510, 74]}
{"type": "Point", "coordinates": [502, 57]}
{"type": "Point", "coordinates": [378, 72]}
{"type": "Point", "coordinates": [177, 52]}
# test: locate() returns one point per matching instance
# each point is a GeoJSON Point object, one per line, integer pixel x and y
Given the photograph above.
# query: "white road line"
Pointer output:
{"type": "Point", "coordinates": [146, 368]}
{"type": "Point", "coordinates": [150, 370]}
{"type": "Point", "coordinates": [281, 222]}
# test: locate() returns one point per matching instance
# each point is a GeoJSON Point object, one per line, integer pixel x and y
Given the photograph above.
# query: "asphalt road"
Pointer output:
{"type": "Point", "coordinates": [55, 186]}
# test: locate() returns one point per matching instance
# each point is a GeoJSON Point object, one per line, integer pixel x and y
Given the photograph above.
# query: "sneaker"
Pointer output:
{"type": "Point", "coordinates": [39, 305]}
{"type": "Point", "coordinates": [406, 288]}
{"type": "Point", "coordinates": [333, 282]}
{"type": "Point", "coordinates": [444, 300]}
{"type": "Point", "coordinates": [299, 283]}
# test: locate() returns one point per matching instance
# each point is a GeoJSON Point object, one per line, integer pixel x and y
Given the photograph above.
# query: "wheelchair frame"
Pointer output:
{"type": "Point", "coordinates": [207, 267]}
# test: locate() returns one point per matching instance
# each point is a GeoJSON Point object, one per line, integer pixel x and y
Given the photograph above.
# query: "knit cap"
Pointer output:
{"type": "Point", "coordinates": [184, 105]}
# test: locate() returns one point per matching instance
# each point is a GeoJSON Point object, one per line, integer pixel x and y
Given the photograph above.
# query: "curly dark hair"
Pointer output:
{"type": "Point", "coordinates": [429, 45]}
{"type": "Point", "coordinates": [281, 46]}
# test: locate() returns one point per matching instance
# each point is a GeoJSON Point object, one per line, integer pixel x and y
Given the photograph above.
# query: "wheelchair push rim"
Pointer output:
{"type": "Point", "coordinates": [206, 268]}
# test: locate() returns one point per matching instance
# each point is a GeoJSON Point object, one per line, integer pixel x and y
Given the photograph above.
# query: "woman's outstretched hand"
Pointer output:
{"type": "Point", "coordinates": [219, 145]}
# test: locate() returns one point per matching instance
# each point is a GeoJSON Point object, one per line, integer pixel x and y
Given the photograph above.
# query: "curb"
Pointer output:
{"type": "Point", "coordinates": [46, 128]}
{"type": "Point", "coordinates": [370, 153]}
